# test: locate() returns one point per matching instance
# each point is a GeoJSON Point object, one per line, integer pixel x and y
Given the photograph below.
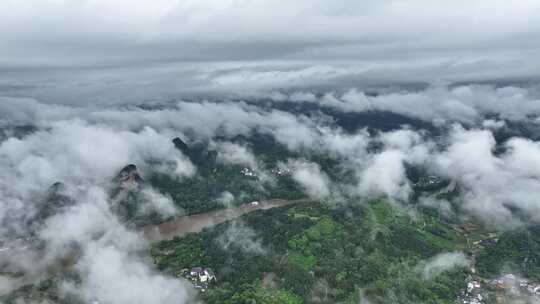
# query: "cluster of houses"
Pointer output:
{"type": "Point", "coordinates": [485, 242]}
{"type": "Point", "coordinates": [507, 285]}
{"type": "Point", "coordinates": [276, 171]}
{"type": "Point", "coordinates": [473, 294]}
{"type": "Point", "coordinates": [248, 172]}
{"type": "Point", "coordinates": [200, 277]}
{"type": "Point", "coordinates": [515, 286]}
{"type": "Point", "coordinates": [427, 182]}
{"type": "Point", "coordinates": [281, 171]}
{"type": "Point", "coordinates": [473, 299]}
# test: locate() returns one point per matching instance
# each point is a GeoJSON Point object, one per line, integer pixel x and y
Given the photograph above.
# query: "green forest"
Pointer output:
{"type": "Point", "coordinates": [321, 253]}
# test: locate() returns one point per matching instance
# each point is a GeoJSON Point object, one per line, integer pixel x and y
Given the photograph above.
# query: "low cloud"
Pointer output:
{"type": "Point", "coordinates": [467, 103]}
{"type": "Point", "coordinates": [493, 124]}
{"type": "Point", "coordinates": [111, 256]}
{"type": "Point", "coordinates": [240, 236]}
{"type": "Point", "coordinates": [226, 198]}
{"type": "Point", "coordinates": [493, 184]}
{"type": "Point", "coordinates": [108, 271]}
{"type": "Point", "coordinates": [235, 154]}
{"type": "Point", "coordinates": [385, 176]}
{"type": "Point", "coordinates": [84, 148]}
{"type": "Point", "coordinates": [311, 178]}
{"type": "Point", "coordinates": [154, 201]}
{"type": "Point", "coordinates": [131, 134]}
{"type": "Point", "coordinates": [85, 157]}
{"type": "Point", "coordinates": [443, 262]}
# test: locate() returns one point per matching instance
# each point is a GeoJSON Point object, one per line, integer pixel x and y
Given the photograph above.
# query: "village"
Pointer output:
{"type": "Point", "coordinates": [507, 286]}
{"type": "Point", "coordinates": [249, 172]}
{"type": "Point", "coordinates": [481, 290]}
{"type": "Point", "coordinates": [201, 278]}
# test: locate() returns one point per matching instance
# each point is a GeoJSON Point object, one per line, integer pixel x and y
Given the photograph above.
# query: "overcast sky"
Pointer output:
{"type": "Point", "coordinates": [211, 45]}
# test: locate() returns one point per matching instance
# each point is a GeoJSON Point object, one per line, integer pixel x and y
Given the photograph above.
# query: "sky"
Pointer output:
{"type": "Point", "coordinates": [68, 51]}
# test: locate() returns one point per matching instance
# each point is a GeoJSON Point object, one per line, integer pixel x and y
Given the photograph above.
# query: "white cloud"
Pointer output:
{"type": "Point", "coordinates": [81, 155]}
{"type": "Point", "coordinates": [153, 200]}
{"type": "Point", "coordinates": [493, 183]}
{"type": "Point", "coordinates": [463, 103]}
{"type": "Point", "coordinates": [493, 124]}
{"type": "Point", "coordinates": [310, 177]}
{"type": "Point", "coordinates": [385, 175]}
{"type": "Point", "coordinates": [443, 262]}
{"type": "Point", "coordinates": [239, 235]}
{"type": "Point", "coordinates": [302, 96]}
{"type": "Point", "coordinates": [86, 147]}
{"type": "Point", "coordinates": [111, 275]}
{"type": "Point", "coordinates": [226, 199]}
{"type": "Point", "coordinates": [85, 157]}
{"type": "Point", "coordinates": [97, 143]}
{"type": "Point", "coordinates": [236, 154]}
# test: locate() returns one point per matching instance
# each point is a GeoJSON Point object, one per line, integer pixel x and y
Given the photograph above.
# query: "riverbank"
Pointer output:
{"type": "Point", "coordinates": [195, 223]}
{"type": "Point", "coordinates": [177, 227]}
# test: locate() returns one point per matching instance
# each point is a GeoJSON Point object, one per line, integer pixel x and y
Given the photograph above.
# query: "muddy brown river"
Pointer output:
{"type": "Point", "coordinates": [177, 227]}
{"type": "Point", "coordinates": [196, 222]}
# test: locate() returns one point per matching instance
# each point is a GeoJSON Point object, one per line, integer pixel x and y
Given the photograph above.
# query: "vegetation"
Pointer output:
{"type": "Point", "coordinates": [317, 252]}
{"type": "Point", "coordinates": [320, 253]}
{"type": "Point", "coordinates": [516, 251]}
{"type": "Point", "coordinates": [200, 193]}
{"type": "Point", "coordinates": [46, 291]}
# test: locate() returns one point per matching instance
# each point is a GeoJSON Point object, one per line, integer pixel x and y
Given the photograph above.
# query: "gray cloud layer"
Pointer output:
{"type": "Point", "coordinates": [136, 50]}
{"type": "Point", "coordinates": [467, 156]}
{"type": "Point", "coordinates": [236, 29]}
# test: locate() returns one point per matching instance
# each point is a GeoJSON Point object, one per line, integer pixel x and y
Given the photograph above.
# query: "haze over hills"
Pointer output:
{"type": "Point", "coordinates": [257, 152]}
{"type": "Point", "coordinates": [462, 183]}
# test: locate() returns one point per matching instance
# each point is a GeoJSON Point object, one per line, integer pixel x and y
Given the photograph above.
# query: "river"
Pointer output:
{"type": "Point", "coordinates": [177, 227]}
